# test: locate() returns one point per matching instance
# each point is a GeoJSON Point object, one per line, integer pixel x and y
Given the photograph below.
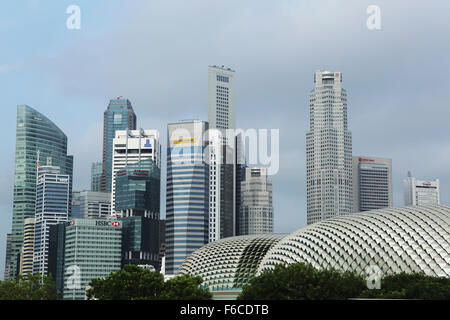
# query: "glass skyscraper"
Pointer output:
{"type": "Point", "coordinates": [52, 207]}
{"type": "Point", "coordinates": [187, 192]}
{"type": "Point", "coordinates": [138, 188]}
{"type": "Point", "coordinates": [96, 176]}
{"type": "Point", "coordinates": [35, 132]}
{"type": "Point", "coordinates": [118, 116]}
{"type": "Point", "coordinates": [92, 249]}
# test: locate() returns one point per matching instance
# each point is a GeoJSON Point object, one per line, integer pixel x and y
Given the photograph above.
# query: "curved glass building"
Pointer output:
{"type": "Point", "coordinates": [407, 239]}
{"type": "Point", "coordinates": [35, 132]}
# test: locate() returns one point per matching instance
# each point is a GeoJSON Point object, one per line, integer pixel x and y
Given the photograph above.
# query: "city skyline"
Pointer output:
{"type": "Point", "coordinates": [386, 91]}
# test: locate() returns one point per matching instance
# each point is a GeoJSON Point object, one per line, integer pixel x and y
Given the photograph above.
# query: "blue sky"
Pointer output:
{"type": "Point", "coordinates": [156, 54]}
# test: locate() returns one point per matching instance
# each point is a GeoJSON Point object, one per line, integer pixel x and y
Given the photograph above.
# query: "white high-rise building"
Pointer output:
{"type": "Point", "coordinates": [256, 210]}
{"type": "Point", "coordinates": [131, 146]}
{"type": "Point", "coordinates": [372, 183]}
{"type": "Point", "coordinates": [222, 179]}
{"type": "Point", "coordinates": [52, 207]}
{"type": "Point", "coordinates": [420, 192]}
{"type": "Point", "coordinates": [328, 150]}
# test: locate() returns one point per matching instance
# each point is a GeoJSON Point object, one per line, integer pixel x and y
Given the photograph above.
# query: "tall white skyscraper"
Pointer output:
{"type": "Point", "coordinates": [420, 192]}
{"type": "Point", "coordinates": [131, 146]}
{"type": "Point", "coordinates": [222, 179]}
{"type": "Point", "coordinates": [256, 210]}
{"type": "Point", "coordinates": [328, 150]}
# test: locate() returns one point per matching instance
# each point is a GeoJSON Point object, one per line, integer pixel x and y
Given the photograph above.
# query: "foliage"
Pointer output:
{"type": "Point", "coordinates": [185, 287]}
{"type": "Point", "coordinates": [28, 287]}
{"type": "Point", "coordinates": [302, 281]}
{"type": "Point", "coordinates": [411, 286]}
{"type": "Point", "coordinates": [136, 283]}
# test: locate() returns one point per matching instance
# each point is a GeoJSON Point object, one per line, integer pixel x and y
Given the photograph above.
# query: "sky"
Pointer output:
{"type": "Point", "coordinates": [156, 53]}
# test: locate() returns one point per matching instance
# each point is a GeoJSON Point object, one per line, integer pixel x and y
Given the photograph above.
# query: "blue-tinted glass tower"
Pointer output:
{"type": "Point", "coordinates": [34, 132]}
{"type": "Point", "coordinates": [118, 116]}
{"type": "Point", "coordinates": [187, 192]}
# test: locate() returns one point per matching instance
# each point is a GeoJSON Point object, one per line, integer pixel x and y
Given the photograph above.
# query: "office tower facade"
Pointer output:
{"type": "Point", "coordinates": [420, 192]}
{"type": "Point", "coordinates": [96, 176]}
{"type": "Point", "coordinates": [118, 116]}
{"type": "Point", "coordinates": [26, 256]}
{"type": "Point", "coordinates": [56, 239]}
{"type": "Point", "coordinates": [256, 215]}
{"type": "Point", "coordinates": [328, 150]}
{"type": "Point", "coordinates": [132, 146]}
{"type": "Point", "coordinates": [162, 244]}
{"type": "Point", "coordinates": [94, 205]}
{"type": "Point", "coordinates": [92, 250]}
{"type": "Point", "coordinates": [372, 183]}
{"type": "Point", "coordinates": [35, 133]}
{"type": "Point", "coordinates": [187, 191]}
{"type": "Point", "coordinates": [240, 165]}
{"type": "Point", "coordinates": [140, 241]}
{"type": "Point", "coordinates": [75, 212]}
{"type": "Point", "coordinates": [138, 202]}
{"type": "Point", "coordinates": [52, 207]}
{"type": "Point", "coordinates": [7, 256]}
{"type": "Point", "coordinates": [222, 170]}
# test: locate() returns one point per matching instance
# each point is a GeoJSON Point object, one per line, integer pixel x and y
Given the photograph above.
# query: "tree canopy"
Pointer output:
{"type": "Point", "coordinates": [28, 287]}
{"type": "Point", "coordinates": [411, 286]}
{"type": "Point", "coordinates": [301, 281]}
{"type": "Point", "coordinates": [135, 283]}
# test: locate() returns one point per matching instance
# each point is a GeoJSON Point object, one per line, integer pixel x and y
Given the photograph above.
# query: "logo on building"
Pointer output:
{"type": "Point", "coordinates": [116, 223]}
{"type": "Point", "coordinates": [147, 143]}
{"type": "Point", "coordinates": [184, 140]}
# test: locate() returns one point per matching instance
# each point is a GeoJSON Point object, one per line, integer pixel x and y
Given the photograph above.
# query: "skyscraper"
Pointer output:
{"type": "Point", "coordinates": [92, 249]}
{"type": "Point", "coordinates": [222, 170]}
{"type": "Point", "coordinates": [256, 211]}
{"type": "Point", "coordinates": [187, 191]}
{"type": "Point", "coordinates": [96, 176]}
{"type": "Point", "coordinates": [372, 183]}
{"type": "Point", "coordinates": [118, 116]}
{"type": "Point", "coordinates": [26, 256]}
{"type": "Point", "coordinates": [94, 205]}
{"type": "Point", "coordinates": [7, 256]}
{"type": "Point", "coordinates": [52, 207]}
{"type": "Point", "coordinates": [35, 132]}
{"type": "Point", "coordinates": [132, 146]}
{"type": "Point", "coordinates": [137, 201]}
{"type": "Point", "coordinates": [328, 150]}
{"type": "Point", "coordinates": [420, 192]}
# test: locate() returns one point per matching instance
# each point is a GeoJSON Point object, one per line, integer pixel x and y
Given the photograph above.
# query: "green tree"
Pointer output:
{"type": "Point", "coordinates": [130, 283]}
{"type": "Point", "coordinates": [185, 287]}
{"type": "Point", "coordinates": [28, 287]}
{"type": "Point", "coordinates": [411, 286]}
{"type": "Point", "coordinates": [136, 283]}
{"type": "Point", "coordinates": [302, 281]}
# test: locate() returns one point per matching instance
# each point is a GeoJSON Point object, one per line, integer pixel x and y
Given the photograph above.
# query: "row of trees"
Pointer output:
{"type": "Point", "coordinates": [285, 282]}
{"type": "Point", "coordinates": [303, 282]}
{"type": "Point", "coordinates": [136, 283]}
{"type": "Point", "coordinates": [28, 287]}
